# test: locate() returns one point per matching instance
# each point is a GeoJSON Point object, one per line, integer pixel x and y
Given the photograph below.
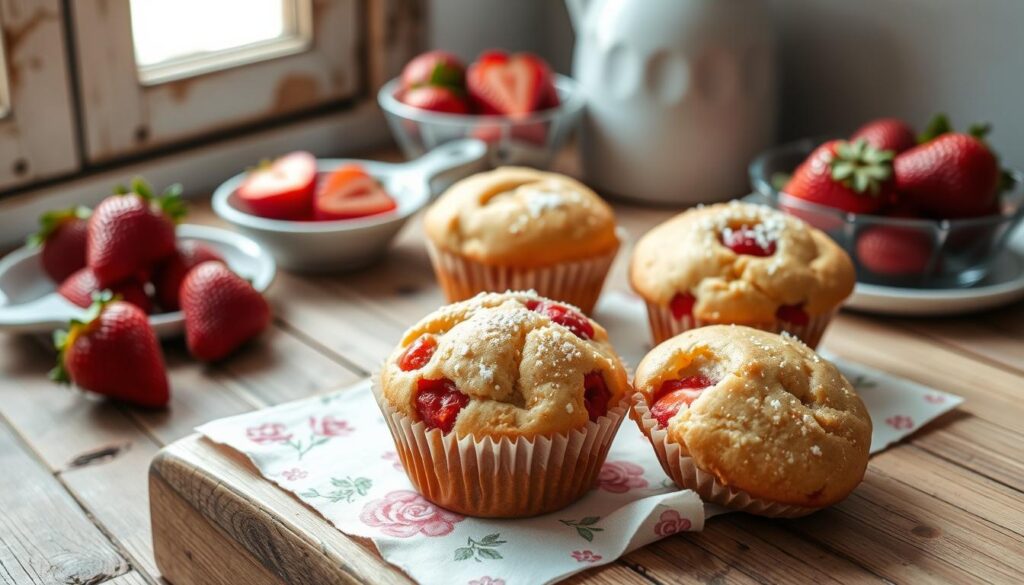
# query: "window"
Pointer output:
{"type": "Point", "coordinates": [230, 33]}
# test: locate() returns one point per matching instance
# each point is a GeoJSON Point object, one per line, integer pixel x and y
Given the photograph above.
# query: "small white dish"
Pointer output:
{"type": "Point", "coordinates": [29, 302]}
{"type": "Point", "coordinates": [1003, 285]}
{"type": "Point", "coordinates": [332, 246]}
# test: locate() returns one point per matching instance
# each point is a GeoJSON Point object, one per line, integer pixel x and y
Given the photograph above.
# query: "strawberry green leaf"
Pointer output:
{"type": "Point", "coordinates": [141, 188]}
{"type": "Point", "coordinates": [172, 204]}
{"type": "Point", "coordinates": [861, 167]}
{"type": "Point", "coordinates": [446, 76]}
{"type": "Point", "coordinates": [979, 130]}
{"type": "Point", "coordinates": [937, 126]}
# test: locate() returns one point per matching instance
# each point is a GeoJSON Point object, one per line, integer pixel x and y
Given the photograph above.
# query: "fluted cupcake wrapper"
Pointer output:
{"type": "Point", "coordinates": [578, 282]}
{"type": "Point", "coordinates": [685, 473]}
{"type": "Point", "coordinates": [664, 325]}
{"type": "Point", "coordinates": [501, 478]}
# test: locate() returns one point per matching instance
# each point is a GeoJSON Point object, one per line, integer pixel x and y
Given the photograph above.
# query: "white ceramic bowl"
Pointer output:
{"type": "Point", "coordinates": [333, 246]}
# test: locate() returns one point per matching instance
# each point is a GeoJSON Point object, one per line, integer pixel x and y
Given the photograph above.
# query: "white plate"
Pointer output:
{"type": "Point", "coordinates": [1003, 285]}
{"type": "Point", "coordinates": [30, 304]}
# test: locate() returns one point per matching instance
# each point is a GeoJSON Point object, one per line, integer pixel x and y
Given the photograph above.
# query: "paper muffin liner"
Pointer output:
{"type": "Point", "coordinates": [577, 282]}
{"type": "Point", "coordinates": [664, 325]}
{"type": "Point", "coordinates": [685, 473]}
{"type": "Point", "coordinates": [501, 478]}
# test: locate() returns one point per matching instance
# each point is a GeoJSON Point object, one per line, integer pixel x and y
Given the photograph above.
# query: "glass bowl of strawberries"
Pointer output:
{"type": "Point", "coordinates": [933, 210]}
{"type": "Point", "coordinates": [512, 102]}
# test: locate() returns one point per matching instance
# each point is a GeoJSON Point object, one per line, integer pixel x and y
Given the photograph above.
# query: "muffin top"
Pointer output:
{"type": "Point", "coordinates": [521, 217]}
{"type": "Point", "coordinates": [740, 262]}
{"type": "Point", "coordinates": [508, 364]}
{"type": "Point", "coordinates": [759, 411]}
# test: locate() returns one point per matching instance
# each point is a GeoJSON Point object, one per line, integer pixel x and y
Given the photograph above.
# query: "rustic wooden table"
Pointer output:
{"type": "Point", "coordinates": [946, 505]}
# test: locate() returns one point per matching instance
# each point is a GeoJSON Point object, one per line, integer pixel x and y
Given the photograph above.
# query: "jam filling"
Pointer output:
{"type": "Point", "coordinates": [564, 316]}
{"type": "Point", "coordinates": [794, 314]}
{"type": "Point", "coordinates": [673, 394]}
{"type": "Point", "coordinates": [595, 395]}
{"type": "Point", "coordinates": [438, 403]}
{"type": "Point", "coordinates": [681, 305]}
{"type": "Point", "coordinates": [748, 240]}
{"type": "Point", "coordinates": [418, 353]}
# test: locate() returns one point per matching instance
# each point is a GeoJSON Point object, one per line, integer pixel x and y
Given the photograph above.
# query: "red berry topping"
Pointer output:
{"type": "Point", "coordinates": [682, 305]}
{"type": "Point", "coordinates": [794, 314]}
{"type": "Point", "coordinates": [749, 241]}
{"type": "Point", "coordinates": [438, 402]}
{"type": "Point", "coordinates": [418, 353]}
{"type": "Point", "coordinates": [673, 394]}
{"type": "Point", "coordinates": [595, 395]}
{"type": "Point", "coordinates": [564, 316]}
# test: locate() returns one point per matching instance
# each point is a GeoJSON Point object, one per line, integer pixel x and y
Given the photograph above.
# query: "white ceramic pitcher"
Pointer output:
{"type": "Point", "coordinates": [681, 95]}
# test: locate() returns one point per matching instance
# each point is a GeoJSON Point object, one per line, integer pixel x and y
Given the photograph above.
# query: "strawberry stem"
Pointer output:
{"type": "Point", "coordinates": [861, 167]}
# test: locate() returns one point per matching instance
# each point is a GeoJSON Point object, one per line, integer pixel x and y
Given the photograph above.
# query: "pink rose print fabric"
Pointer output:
{"type": "Point", "coordinates": [405, 513]}
{"type": "Point", "coordinates": [671, 522]}
{"type": "Point", "coordinates": [619, 477]}
{"type": "Point", "coordinates": [335, 454]}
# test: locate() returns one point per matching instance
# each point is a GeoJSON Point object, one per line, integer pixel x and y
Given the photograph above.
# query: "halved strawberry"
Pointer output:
{"type": "Point", "coordinates": [282, 189]}
{"type": "Point", "coordinates": [350, 192]}
{"type": "Point", "coordinates": [435, 99]}
{"type": "Point", "coordinates": [511, 85]}
{"type": "Point", "coordinates": [436, 68]}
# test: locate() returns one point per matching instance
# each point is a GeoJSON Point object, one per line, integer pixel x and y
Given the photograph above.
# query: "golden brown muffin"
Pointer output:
{"type": "Point", "coordinates": [740, 263]}
{"type": "Point", "coordinates": [512, 364]}
{"type": "Point", "coordinates": [760, 412]}
{"type": "Point", "coordinates": [521, 217]}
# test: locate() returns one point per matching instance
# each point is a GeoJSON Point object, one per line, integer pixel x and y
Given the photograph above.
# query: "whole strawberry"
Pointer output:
{"type": "Point", "coordinates": [851, 176]}
{"type": "Point", "coordinates": [952, 176]}
{"type": "Point", "coordinates": [131, 231]}
{"type": "Point", "coordinates": [169, 275]}
{"type": "Point", "coordinates": [113, 352]}
{"type": "Point", "coordinates": [222, 311]}
{"type": "Point", "coordinates": [62, 234]}
{"type": "Point", "coordinates": [82, 286]}
{"type": "Point", "coordinates": [895, 251]}
{"type": "Point", "coordinates": [887, 134]}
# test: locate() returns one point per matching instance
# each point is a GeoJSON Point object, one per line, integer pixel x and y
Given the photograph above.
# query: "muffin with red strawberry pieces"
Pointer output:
{"type": "Point", "coordinates": [503, 405]}
{"type": "Point", "coordinates": [518, 228]}
{"type": "Point", "coordinates": [740, 263]}
{"type": "Point", "coordinates": [752, 420]}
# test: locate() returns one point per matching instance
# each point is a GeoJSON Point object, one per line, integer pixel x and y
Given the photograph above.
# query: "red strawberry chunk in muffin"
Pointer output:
{"type": "Point", "coordinates": [595, 395]}
{"type": "Point", "coordinates": [418, 353]}
{"type": "Point", "coordinates": [564, 316]}
{"type": "Point", "coordinates": [438, 403]}
{"type": "Point", "coordinates": [682, 305]}
{"type": "Point", "coordinates": [752, 241]}
{"type": "Point", "coordinates": [794, 314]}
{"type": "Point", "coordinates": [673, 394]}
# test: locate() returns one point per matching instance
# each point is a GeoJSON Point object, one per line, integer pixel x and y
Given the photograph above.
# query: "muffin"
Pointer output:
{"type": "Point", "coordinates": [740, 263]}
{"type": "Point", "coordinates": [516, 228]}
{"type": "Point", "coordinates": [752, 420]}
{"type": "Point", "coordinates": [503, 405]}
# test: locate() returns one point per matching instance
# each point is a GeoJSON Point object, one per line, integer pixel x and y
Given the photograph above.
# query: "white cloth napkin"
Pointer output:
{"type": "Point", "coordinates": [335, 454]}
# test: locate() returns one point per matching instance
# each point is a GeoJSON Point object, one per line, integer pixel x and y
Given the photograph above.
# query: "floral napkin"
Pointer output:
{"type": "Point", "coordinates": [335, 454]}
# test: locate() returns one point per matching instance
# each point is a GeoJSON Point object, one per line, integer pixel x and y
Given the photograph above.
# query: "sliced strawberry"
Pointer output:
{"type": "Point", "coordinates": [435, 99]}
{"type": "Point", "coordinates": [887, 134]}
{"type": "Point", "coordinates": [681, 305]}
{"type": "Point", "coordinates": [80, 287]}
{"type": "Point", "coordinates": [515, 85]}
{"type": "Point", "coordinates": [793, 314]}
{"type": "Point", "coordinates": [63, 235]}
{"type": "Point", "coordinates": [564, 316]}
{"type": "Point", "coordinates": [673, 394]}
{"type": "Point", "coordinates": [595, 395]}
{"type": "Point", "coordinates": [853, 177]}
{"type": "Point", "coordinates": [438, 402]}
{"type": "Point", "coordinates": [350, 192]}
{"type": "Point", "coordinates": [418, 353]}
{"type": "Point", "coordinates": [282, 189]}
{"type": "Point", "coordinates": [433, 68]}
{"type": "Point", "coordinates": [168, 276]}
{"type": "Point", "coordinates": [113, 352]}
{"type": "Point", "coordinates": [894, 251]}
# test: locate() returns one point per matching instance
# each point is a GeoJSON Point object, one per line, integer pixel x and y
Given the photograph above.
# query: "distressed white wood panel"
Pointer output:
{"type": "Point", "coordinates": [37, 136]}
{"type": "Point", "coordinates": [123, 117]}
